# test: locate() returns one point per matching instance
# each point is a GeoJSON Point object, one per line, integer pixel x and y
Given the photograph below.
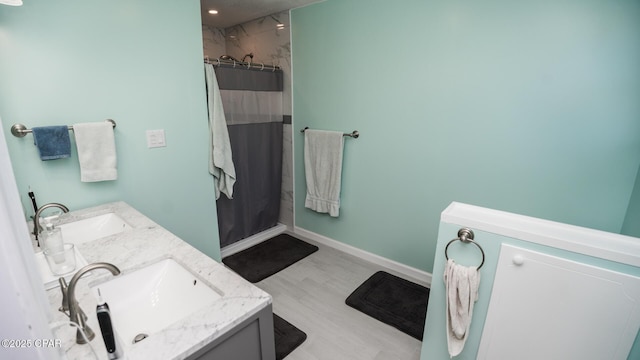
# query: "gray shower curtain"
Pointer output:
{"type": "Point", "coordinates": [252, 101]}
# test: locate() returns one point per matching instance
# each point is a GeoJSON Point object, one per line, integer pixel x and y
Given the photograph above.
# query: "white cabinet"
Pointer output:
{"type": "Point", "coordinates": [546, 307]}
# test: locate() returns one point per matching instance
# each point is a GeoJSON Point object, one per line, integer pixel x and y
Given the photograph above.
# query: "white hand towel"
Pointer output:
{"type": "Point", "coordinates": [220, 159]}
{"type": "Point", "coordinates": [461, 284]}
{"type": "Point", "coordinates": [323, 170]}
{"type": "Point", "coordinates": [96, 151]}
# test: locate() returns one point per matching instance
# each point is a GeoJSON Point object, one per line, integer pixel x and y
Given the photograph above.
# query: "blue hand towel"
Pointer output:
{"type": "Point", "coordinates": [52, 142]}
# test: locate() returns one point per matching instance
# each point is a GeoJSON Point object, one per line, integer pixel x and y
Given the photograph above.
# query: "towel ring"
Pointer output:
{"type": "Point", "coordinates": [466, 236]}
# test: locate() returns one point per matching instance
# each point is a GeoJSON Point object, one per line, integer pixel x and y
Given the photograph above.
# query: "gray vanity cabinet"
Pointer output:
{"type": "Point", "coordinates": [252, 339]}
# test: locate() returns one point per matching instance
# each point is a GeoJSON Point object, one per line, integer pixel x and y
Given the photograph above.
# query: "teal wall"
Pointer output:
{"type": "Point", "coordinates": [526, 107]}
{"type": "Point", "coordinates": [137, 62]}
{"type": "Point", "coordinates": [631, 224]}
{"type": "Point", "coordinates": [434, 345]}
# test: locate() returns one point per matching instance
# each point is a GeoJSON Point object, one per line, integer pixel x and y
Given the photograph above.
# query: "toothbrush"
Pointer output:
{"type": "Point", "coordinates": [33, 200]}
{"type": "Point", "coordinates": [35, 210]}
{"type": "Point", "coordinates": [106, 328]}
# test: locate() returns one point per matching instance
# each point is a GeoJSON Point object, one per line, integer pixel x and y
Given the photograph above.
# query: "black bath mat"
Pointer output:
{"type": "Point", "coordinates": [394, 301]}
{"type": "Point", "coordinates": [287, 336]}
{"type": "Point", "coordinates": [269, 257]}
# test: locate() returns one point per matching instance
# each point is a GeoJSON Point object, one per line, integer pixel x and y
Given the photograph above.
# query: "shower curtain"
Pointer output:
{"type": "Point", "coordinates": [252, 101]}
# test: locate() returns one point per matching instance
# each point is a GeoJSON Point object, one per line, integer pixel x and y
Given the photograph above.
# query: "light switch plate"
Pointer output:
{"type": "Point", "coordinates": [155, 138]}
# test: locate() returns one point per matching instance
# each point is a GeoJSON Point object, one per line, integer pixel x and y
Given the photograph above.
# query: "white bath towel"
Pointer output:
{"type": "Point", "coordinates": [220, 156]}
{"type": "Point", "coordinates": [323, 170]}
{"type": "Point", "coordinates": [461, 284]}
{"type": "Point", "coordinates": [96, 151]}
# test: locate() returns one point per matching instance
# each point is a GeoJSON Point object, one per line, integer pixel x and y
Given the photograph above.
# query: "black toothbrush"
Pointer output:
{"type": "Point", "coordinates": [106, 327]}
{"type": "Point", "coordinates": [35, 210]}
{"type": "Point", "coordinates": [33, 200]}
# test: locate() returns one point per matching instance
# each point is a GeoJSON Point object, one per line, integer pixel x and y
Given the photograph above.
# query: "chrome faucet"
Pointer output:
{"type": "Point", "coordinates": [36, 217]}
{"type": "Point", "coordinates": [75, 312]}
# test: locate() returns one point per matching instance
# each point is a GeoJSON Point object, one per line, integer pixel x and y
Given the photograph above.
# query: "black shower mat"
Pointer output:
{"type": "Point", "coordinates": [269, 257]}
{"type": "Point", "coordinates": [394, 301]}
{"type": "Point", "coordinates": [287, 337]}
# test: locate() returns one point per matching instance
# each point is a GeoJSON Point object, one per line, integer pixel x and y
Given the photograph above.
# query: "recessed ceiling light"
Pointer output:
{"type": "Point", "coordinates": [213, 12]}
{"type": "Point", "coordinates": [280, 26]}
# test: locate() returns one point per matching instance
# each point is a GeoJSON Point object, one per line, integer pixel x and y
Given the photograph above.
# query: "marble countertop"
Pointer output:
{"type": "Point", "coordinates": [146, 244]}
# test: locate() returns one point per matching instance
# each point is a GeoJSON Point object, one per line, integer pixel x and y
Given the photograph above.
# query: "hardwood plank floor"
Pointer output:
{"type": "Point", "coordinates": [310, 294]}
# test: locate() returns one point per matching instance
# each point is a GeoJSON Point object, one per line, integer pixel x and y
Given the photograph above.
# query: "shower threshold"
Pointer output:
{"type": "Point", "coordinates": [252, 240]}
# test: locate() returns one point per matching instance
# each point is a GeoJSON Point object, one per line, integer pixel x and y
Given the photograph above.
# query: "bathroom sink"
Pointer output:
{"type": "Point", "coordinates": [152, 298]}
{"type": "Point", "coordinates": [93, 228]}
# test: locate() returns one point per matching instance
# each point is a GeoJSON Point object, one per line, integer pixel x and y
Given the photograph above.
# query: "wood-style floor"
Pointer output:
{"type": "Point", "coordinates": [310, 294]}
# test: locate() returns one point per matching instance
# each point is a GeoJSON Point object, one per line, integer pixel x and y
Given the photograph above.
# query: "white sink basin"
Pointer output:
{"type": "Point", "coordinates": [93, 228]}
{"type": "Point", "coordinates": [152, 298]}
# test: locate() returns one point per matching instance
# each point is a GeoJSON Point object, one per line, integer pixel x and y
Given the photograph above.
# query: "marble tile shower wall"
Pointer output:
{"type": "Point", "coordinates": [214, 42]}
{"type": "Point", "coordinates": [270, 44]}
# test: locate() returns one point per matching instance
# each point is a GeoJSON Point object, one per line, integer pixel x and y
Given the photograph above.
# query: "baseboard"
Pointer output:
{"type": "Point", "coordinates": [252, 240]}
{"type": "Point", "coordinates": [418, 276]}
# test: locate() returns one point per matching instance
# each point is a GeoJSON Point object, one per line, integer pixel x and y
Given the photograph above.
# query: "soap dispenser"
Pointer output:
{"type": "Point", "coordinates": [52, 238]}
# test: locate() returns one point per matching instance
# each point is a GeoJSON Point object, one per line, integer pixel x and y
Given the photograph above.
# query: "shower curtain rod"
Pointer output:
{"type": "Point", "coordinates": [241, 64]}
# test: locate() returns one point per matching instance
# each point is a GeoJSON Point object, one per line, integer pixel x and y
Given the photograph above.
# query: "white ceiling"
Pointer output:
{"type": "Point", "coordinates": [234, 12]}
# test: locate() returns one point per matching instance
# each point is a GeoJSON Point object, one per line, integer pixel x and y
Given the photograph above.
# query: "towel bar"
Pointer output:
{"type": "Point", "coordinates": [466, 236]}
{"type": "Point", "coordinates": [355, 134]}
{"type": "Point", "coordinates": [19, 130]}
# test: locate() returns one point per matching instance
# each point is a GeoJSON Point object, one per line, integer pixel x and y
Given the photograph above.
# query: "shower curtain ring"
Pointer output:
{"type": "Point", "coordinates": [218, 61]}
{"type": "Point", "coordinates": [262, 68]}
{"type": "Point", "coordinates": [234, 64]}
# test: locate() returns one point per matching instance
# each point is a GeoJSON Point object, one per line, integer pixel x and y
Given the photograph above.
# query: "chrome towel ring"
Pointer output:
{"type": "Point", "coordinates": [466, 236]}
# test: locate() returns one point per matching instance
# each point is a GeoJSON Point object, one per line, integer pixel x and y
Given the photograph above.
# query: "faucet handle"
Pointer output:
{"type": "Point", "coordinates": [83, 327]}
{"type": "Point", "coordinates": [65, 299]}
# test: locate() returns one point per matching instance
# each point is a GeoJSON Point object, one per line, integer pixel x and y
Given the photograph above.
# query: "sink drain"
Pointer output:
{"type": "Point", "coordinates": [139, 338]}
